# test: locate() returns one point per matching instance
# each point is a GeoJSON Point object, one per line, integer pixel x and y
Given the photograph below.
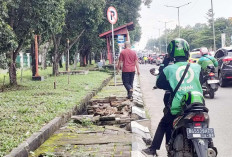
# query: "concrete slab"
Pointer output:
{"type": "Point", "coordinates": [138, 111]}
{"type": "Point", "coordinates": [145, 122]}
{"type": "Point", "coordinates": [137, 154]}
{"type": "Point", "coordinates": [140, 130]}
{"type": "Point", "coordinates": [137, 143]}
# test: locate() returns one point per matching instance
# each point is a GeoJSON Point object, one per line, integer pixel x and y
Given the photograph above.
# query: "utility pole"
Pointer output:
{"type": "Point", "coordinates": [214, 42]}
{"type": "Point", "coordinates": [159, 42]}
{"type": "Point", "coordinates": [166, 36]}
{"type": "Point", "coordinates": [178, 7]}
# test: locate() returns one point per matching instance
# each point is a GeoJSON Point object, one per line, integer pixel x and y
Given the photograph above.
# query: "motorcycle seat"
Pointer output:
{"type": "Point", "coordinates": [195, 107]}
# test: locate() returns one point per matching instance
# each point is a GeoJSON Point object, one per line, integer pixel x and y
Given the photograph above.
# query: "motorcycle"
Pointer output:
{"type": "Point", "coordinates": [191, 135]}
{"type": "Point", "coordinates": [211, 82]}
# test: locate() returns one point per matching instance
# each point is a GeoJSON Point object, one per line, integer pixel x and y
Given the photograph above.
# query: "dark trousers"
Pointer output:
{"type": "Point", "coordinates": [128, 79]}
{"type": "Point", "coordinates": [164, 127]}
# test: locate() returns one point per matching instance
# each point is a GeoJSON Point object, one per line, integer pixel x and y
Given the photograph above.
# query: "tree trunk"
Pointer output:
{"type": "Point", "coordinates": [55, 69]}
{"type": "Point", "coordinates": [60, 63]}
{"type": "Point", "coordinates": [45, 49]}
{"type": "Point", "coordinates": [12, 73]}
{"type": "Point", "coordinates": [12, 69]}
{"type": "Point", "coordinates": [82, 64]}
{"type": "Point", "coordinates": [87, 59]}
{"type": "Point", "coordinates": [56, 58]}
{"type": "Point", "coordinates": [12, 64]}
{"type": "Point", "coordinates": [75, 59]}
{"type": "Point", "coordinates": [90, 59]}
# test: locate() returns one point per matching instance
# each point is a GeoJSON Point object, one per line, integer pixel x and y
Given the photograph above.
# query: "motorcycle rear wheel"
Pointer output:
{"type": "Point", "coordinates": [211, 94]}
{"type": "Point", "coordinates": [182, 147]}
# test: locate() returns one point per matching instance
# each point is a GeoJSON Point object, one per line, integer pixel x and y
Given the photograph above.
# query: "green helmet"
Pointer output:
{"type": "Point", "coordinates": [192, 97]}
{"type": "Point", "coordinates": [178, 48]}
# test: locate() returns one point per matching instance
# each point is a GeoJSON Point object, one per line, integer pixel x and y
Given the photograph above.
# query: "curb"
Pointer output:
{"type": "Point", "coordinates": [38, 138]}
{"type": "Point", "coordinates": [141, 127]}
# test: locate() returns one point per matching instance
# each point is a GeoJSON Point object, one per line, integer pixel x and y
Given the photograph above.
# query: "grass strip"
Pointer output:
{"type": "Point", "coordinates": [25, 108]}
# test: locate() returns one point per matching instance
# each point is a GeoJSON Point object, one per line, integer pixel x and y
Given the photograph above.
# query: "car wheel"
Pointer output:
{"type": "Point", "coordinates": [222, 81]}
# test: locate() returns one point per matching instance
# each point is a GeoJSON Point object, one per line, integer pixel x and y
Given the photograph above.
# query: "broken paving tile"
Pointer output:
{"type": "Point", "coordinates": [140, 130]}
{"type": "Point", "coordinates": [139, 112]}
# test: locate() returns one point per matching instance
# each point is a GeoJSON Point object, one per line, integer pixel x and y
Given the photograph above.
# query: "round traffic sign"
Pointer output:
{"type": "Point", "coordinates": [112, 15]}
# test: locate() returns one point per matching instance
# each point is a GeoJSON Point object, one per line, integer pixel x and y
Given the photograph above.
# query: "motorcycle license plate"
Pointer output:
{"type": "Point", "coordinates": [212, 81]}
{"type": "Point", "coordinates": [200, 133]}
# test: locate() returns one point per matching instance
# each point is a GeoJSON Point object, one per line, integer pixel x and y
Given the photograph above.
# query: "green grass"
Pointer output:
{"type": "Point", "coordinates": [25, 108]}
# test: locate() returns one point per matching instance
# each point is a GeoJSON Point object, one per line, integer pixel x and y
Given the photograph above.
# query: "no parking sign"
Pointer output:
{"type": "Point", "coordinates": [112, 15]}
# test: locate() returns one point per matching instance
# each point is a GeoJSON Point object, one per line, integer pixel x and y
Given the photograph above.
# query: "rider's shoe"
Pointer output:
{"type": "Point", "coordinates": [148, 141]}
{"type": "Point", "coordinates": [150, 151]}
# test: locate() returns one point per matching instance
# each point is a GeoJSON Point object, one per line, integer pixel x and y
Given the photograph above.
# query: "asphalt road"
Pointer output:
{"type": "Point", "coordinates": [220, 111]}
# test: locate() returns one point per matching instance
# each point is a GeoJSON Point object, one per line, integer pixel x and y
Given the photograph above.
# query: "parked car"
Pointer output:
{"type": "Point", "coordinates": [160, 59]}
{"type": "Point", "coordinates": [224, 70]}
{"type": "Point", "coordinates": [194, 56]}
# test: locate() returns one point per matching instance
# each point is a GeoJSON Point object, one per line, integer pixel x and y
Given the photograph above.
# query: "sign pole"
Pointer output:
{"type": "Point", "coordinates": [112, 16]}
{"type": "Point", "coordinates": [113, 54]}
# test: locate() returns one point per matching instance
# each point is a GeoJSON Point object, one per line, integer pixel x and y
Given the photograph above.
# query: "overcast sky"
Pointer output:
{"type": "Point", "coordinates": [190, 14]}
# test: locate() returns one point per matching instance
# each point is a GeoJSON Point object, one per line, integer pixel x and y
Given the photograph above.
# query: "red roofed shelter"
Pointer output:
{"type": "Point", "coordinates": [122, 30]}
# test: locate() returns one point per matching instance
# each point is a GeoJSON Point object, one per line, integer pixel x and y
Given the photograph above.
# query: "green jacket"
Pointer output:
{"type": "Point", "coordinates": [191, 82]}
{"type": "Point", "coordinates": [206, 60]}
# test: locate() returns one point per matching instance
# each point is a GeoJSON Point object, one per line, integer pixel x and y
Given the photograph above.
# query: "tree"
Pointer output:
{"type": "Point", "coordinates": [7, 36]}
{"type": "Point", "coordinates": [26, 18]}
{"type": "Point", "coordinates": [151, 43]}
{"type": "Point", "coordinates": [82, 18]}
{"type": "Point", "coordinates": [201, 34]}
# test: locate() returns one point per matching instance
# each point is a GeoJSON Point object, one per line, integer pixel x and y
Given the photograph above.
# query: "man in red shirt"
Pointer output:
{"type": "Point", "coordinates": [129, 60]}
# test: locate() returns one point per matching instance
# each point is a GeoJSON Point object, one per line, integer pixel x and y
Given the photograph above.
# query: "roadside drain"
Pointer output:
{"type": "Point", "coordinates": [110, 127]}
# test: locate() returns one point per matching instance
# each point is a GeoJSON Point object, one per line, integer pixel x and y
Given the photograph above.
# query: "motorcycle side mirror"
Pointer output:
{"type": "Point", "coordinates": [154, 71]}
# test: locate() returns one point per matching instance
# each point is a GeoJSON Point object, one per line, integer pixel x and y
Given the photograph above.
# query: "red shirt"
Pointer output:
{"type": "Point", "coordinates": [129, 58]}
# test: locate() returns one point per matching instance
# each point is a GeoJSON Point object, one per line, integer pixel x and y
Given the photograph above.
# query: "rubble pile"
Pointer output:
{"type": "Point", "coordinates": [110, 106]}
{"type": "Point", "coordinates": [108, 111]}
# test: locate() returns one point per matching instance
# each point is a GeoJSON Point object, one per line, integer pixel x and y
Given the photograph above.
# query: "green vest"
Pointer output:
{"type": "Point", "coordinates": [206, 60]}
{"type": "Point", "coordinates": [191, 81]}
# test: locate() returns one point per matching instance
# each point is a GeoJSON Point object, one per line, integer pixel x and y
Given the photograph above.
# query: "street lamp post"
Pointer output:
{"type": "Point", "coordinates": [159, 42]}
{"type": "Point", "coordinates": [166, 37]}
{"type": "Point", "coordinates": [214, 42]}
{"type": "Point", "coordinates": [178, 7]}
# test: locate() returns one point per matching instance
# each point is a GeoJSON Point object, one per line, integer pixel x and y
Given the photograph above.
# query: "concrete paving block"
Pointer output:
{"type": "Point", "coordinates": [136, 93]}
{"type": "Point", "coordinates": [135, 124]}
{"type": "Point", "coordinates": [138, 103]}
{"type": "Point", "coordinates": [137, 154]}
{"type": "Point", "coordinates": [145, 122]}
{"type": "Point", "coordinates": [137, 143]}
{"type": "Point", "coordinates": [140, 130]}
{"type": "Point", "coordinates": [138, 111]}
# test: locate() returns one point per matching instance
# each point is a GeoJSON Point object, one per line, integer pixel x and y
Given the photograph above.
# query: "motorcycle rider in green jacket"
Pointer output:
{"type": "Point", "coordinates": [206, 60]}
{"type": "Point", "coordinates": [169, 76]}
